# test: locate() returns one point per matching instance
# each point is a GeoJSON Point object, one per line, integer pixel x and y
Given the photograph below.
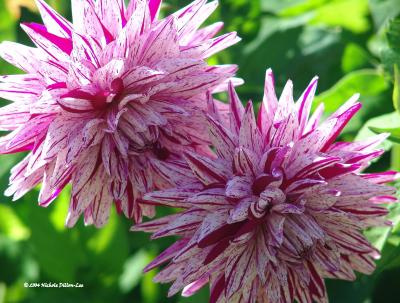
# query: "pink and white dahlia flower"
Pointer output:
{"type": "Point", "coordinates": [109, 102]}
{"type": "Point", "coordinates": [280, 208]}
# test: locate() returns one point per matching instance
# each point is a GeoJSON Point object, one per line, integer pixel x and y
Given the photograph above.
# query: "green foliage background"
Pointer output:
{"type": "Point", "coordinates": [353, 45]}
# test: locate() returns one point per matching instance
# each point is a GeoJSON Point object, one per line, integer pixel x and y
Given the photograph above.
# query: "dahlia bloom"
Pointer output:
{"type": "Point", "coordinates": [278, 209]}
{"type": "Point", "coordinates": [109, 102]}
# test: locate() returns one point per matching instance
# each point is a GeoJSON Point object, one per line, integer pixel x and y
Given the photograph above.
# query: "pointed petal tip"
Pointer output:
{"type": "Point", "coordinates": [214, 3]}
{"type": "Point", "coordinates": [314, 82]}
{"type": "Point", "coordinates": [148, 268]}
{"type": "Point", "coordinates": [249, 106]}
{"type": "Point", "coordinates": [238, 81]}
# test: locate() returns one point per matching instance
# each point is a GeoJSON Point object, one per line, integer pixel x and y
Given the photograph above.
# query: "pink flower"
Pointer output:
{"type": "Point", "coordinates": [109, 102]}
{"type": "Point", "coordinates": [280, 208]}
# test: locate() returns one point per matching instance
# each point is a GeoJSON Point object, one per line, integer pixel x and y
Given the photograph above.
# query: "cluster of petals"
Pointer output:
{"type": "Point", "coordinates": [109, 102]}
{"type": "Point", "coordinates": [278, 209]}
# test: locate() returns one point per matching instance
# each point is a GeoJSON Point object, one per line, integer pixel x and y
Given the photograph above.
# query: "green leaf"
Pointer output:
{"type": "Point", "coordinates": [394, 132]}
{"type": "Point", "coordinates": [349, 14]}
{"type": "Point", "coordinates": [389, 241]}
{"type": "Point", "coordinates": [301, 7]}
{"type": "Point", "coordinates": [279, 6]}
{"type": "Point", "coordinates": [390, 54]}
{"type": "Point", "coordinates": [373, 90]}
{"type": "Point", "coordinates": [354, 57]}
{"type": "Point", "coordinates": [366, 82]}
{"type": "Point", "coordinates": [393, 34]}
{"type": "Point", "coordinates": [389, 58]}
{"type": "Point", "coordinates": [388, 120]}
{"type": "Point", "coordinates": [382, 10]}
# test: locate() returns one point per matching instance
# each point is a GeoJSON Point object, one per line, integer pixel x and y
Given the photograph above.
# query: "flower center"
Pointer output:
{"type": "Point", "coordinates": [267, 199]}
{"type": "Point", "coordinates": [104, 98]}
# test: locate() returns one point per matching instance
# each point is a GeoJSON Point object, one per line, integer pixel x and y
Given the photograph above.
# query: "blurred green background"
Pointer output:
{"type": "Point", "coordinates": [353, 45]}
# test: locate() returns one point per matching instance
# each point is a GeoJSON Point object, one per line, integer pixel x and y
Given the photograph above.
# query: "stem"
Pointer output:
{"type": "Point", "coordinates": [395, 158]}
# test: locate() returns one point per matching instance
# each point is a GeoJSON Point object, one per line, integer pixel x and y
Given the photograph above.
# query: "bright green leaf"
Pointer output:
{"type": "Point", "coordinates": [354, 57]}
{"type": "Point", "coordinates": [394, 132]}
{"type": "Point", "coordinates": [349, 14]}
{"type": "Point", "coordinates": [388, 120]}
{"type": "Point", "coordinates": [366, 82]}
{"type": "Point", "coordinates": [373, 90]}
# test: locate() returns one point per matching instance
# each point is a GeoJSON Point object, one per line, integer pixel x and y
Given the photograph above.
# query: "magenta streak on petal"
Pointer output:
{"type": "Point", "coordinates": [262, 182]}
{"type": "Point", "coordinates": [379, 211]}
{"type": "Point", "coordinates": [141, 79]}
{"type": "Point", "coordinates": [89, 47]}
{"type": "Point", "coordinates": [107, 35]}
{"type": "Point", "coordinates": [246, 228]}
{"type": "Point", "coordinates": [227, 230]}
{"type": "Point", "coordinates": [95, 169]}
{"type": "Point", "coordinates": [19, 92]}
{"type": "Point", "coordinates": [202, 167]}
{"type": "Point", "coordinates": [66, 28]}
{"type": "Point", "coordinates": [131, 198]}
{"type": "Point", "coordinates": [56, 192]}
{"type": "Point", "coordinates": [384, 177]}
{"type": "Point", "coordinates": [317, 279]}
{"type": "Point", "coordinates": [304, 185]}
{"type": "Point", "coordinates": [217, 250]}
{"type": "Point", "coordinates": [317, 166]}
{"type": "Point", "coordinates": [154, 6]}
{"type": "Point", "coordinates": [78, 94]}
{"type": "Point", "coordinates": [98, 101]}
{"type": "Point", "coordinates": [338, 169]}
{"type": "Point", "coordinates": [342, 120]}
{"type": "Point", "coordinates": [374, 154]}
{"type": "Point", "coordinates": [21, 149]}
{"type": "Point", "coordinates": [270, 158]}
{"type": "Point", "coordinates": [166, 254]}
{"type": "Point", "coordinates": [57, 85]}
{"type": "Point", "coordinates": [383, 199]}
{"type": "Point", "coordinates": [303, 102]}
{"type": "Point", "coordinates": [72, 110]}
{"type": "Point", "coordinates": [217, 290]}
{"type": "Point", "coordinates": [37, 144]}
{"type": "Point", "coordinates": [62, 43]}
{"type": "Point", "coordinates": [235, 110]}
{"type": "Point", "coordinates": [58, 66]}
{"type": "Point", "coordinates": [189, 8]}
